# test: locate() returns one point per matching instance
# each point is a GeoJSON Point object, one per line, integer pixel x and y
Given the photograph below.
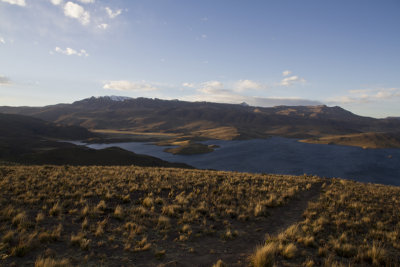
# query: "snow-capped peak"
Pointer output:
{"type": "Point", "coordinates": [116, 98]}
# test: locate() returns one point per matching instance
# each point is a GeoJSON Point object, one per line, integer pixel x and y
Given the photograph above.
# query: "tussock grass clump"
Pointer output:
{"type": "Point", "coordinates": [219, 263]}
{"type": "Point", "coordinates": [260, 210]}
{"type": "Point", "coordinates": [80, 240]}
{"type": "Point", "coordinates": [20, 219]}
{"type": "Point", "coordinates": [148, 202]}
{"type": "Point", "coordinates": [265, 255]}
{"type": "Point", "coordinates": [56, 209]}
{"type": "Point", "coordinates": [289, 251]}
{"type": "Point", "coordinates": [163, 222]}
{"type": "Point", "coordinates": [119, 212]}
{"type": "Point", "coordinates": [50, 262]}
{"type": "Point", "coordinates": [40, 217]}
{"type": "Point", "coordinates": [376, 255]}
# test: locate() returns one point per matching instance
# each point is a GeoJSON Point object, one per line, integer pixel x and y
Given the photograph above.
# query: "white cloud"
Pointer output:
{"type": "Point", "coordinates": [217, 87]}
{"type": "Point", "coordinates": [102, 26]}
{"type": "Point", "coordinates": [87, 1]}
{"type": "Point", "coordinates": [211, 87]}
{"type": "Point", "coordinates": [227, 96]}
{"type": "Point", "coordinates": [4, 80]}
{"type": "Point", "coordinates": [216, 91]}
{"type": "Point", "coordinates": [286, 73]}
{"type": "Point", "coordinates": [204, 36]}
{"type": "Point", "coordinates": [56, 2]}
{"type": "Point", "coordinates": [243, 85]}
{"type": "Point", "coordinates": [123, 85]}
{"type": "Point", "coordinates": [112, 14]}
{"type": "Point", "coordinates": [70, 52]}
{"type": "Point", "coordinates": [282, 101]}
{"type": "Point", "coordinates": [189, 85]}
{"type": "Point", "coordinates": [360, 91]}
{"type": "Point", "coordinates": [289, 81]}
{"type": "Point", "coordinates": [368, 95]}
{"type": "Point", "coordinates": [341, 99]}
{"type": "Point", "coordinates": [77, 12]}
{"type": "Point", "coordinates": [2, 41]}
{"type": "Point", "coordinates": [15, 2]}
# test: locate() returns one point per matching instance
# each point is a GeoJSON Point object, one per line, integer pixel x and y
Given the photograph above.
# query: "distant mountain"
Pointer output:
{"type": "Point", "coordinates": [206, 119]}
{"type": "Point", "coordinates": [30, 140]}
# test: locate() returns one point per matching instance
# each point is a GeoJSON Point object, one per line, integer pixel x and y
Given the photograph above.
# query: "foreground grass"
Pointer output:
{"type": "Point", "coordinates": [351, 224]}
{"type": "Point", "coordinates": [101, 216]}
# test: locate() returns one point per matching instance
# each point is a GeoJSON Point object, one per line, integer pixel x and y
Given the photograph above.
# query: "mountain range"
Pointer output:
{"type": "Point", "coordinates": [205, 119]}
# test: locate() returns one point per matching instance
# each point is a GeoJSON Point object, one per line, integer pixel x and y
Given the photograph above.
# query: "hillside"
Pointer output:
{"type": "Point", "coordinates": [18, 126]}
{"type": "Point", "coordinates": [134, 216]}
{"type": "Point", "coordinates": [30, 140]}
{"type": "Point", "coordinates": [205, 119]}
{"type": "Point", "coordinates": [364, 140]}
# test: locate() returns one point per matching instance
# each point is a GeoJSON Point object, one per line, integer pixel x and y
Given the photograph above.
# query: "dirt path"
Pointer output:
{"type": "Point", "coordinates": [236, 252]}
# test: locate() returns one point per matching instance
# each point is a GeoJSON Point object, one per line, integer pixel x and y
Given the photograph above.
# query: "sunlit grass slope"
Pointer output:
{"type": "Point", "coordinates": [125, 216]}
{"type": "Point", "coordinates": [351, 224]}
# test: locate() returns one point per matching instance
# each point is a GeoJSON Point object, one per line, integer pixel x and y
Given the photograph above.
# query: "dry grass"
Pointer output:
{"type": "Point", "coordinates": [265, 255]}
{"type": "Point", "coordinates": [103, 215]}
{"type": "Point", "coordinates": [50, 262]}
{"type": "Point", "coordinates": [351, 224]}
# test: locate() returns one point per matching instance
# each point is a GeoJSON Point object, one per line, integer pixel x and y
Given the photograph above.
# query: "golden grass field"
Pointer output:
{"type": "Point", "coordinates": [363, 140]}
{"type": "Point", "coordinates": [351, 224]}
{"type": "Point", "coordinates": [137, 216]}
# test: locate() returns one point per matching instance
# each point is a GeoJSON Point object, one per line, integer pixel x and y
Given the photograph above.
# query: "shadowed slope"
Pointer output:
{"type": "Point", "coordinates": [30, 140]}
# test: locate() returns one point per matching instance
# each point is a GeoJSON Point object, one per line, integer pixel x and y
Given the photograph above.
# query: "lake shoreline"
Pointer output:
{"type": "Point", "coordinates": [278, 155]}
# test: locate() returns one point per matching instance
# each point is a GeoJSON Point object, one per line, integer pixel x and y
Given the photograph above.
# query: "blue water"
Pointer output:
{"type": "Point", "coordinates": [286, 156]}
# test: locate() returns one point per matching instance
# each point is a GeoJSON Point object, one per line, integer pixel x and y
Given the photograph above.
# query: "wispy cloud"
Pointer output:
{"type": "Point", "coordinates": [291, 80]}
{"type": "Point", "coordinates": [56, 2]}
{"type": "Point", "coordinates": [123, 85]}
{"type": "Point", "coordinates": [2, 41]}
{"type": "Point", "coordinates": [71, 52]}
{"type": "Point", "coordinates": [87, 1]}
{"type": "Point", "coordinates": [367, 95]}
{"type": "Point", "coordinates": [102, 26]}
{"type": "Point", "coordinates": [211, 87]}
{"type": "Point", "coordinates": [215, 86]}
{"type": "Point", "coordinates": [227, 96]}
{"type": "Point", "coordinates": [76, 11]}
{"type": "Point", "coordinates": [113, 13]}
{"type": "Point", "coordinates": [4, 80]}
{"type": "Point", "coordinates": [244, 85]}
{"type": "Point", "coordinates": [15, 2]}
{"type": "Point", "coordinates": [189, 85]}
{"type": "Point", "coordinates": [286, 73]}
{"type": "Point", "coordinates": [216, 91]}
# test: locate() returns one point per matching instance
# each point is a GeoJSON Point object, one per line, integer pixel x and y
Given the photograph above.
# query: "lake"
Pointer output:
{"type": "Point", "coordinates": [285, 156]}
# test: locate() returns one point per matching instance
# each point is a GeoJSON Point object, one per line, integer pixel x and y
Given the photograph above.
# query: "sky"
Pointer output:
{"type": "Point", "coordinates": [262, 52]}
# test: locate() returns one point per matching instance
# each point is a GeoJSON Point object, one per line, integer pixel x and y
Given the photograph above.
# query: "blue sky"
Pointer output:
{"type": "Point", "coordinates": [265, 53]}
